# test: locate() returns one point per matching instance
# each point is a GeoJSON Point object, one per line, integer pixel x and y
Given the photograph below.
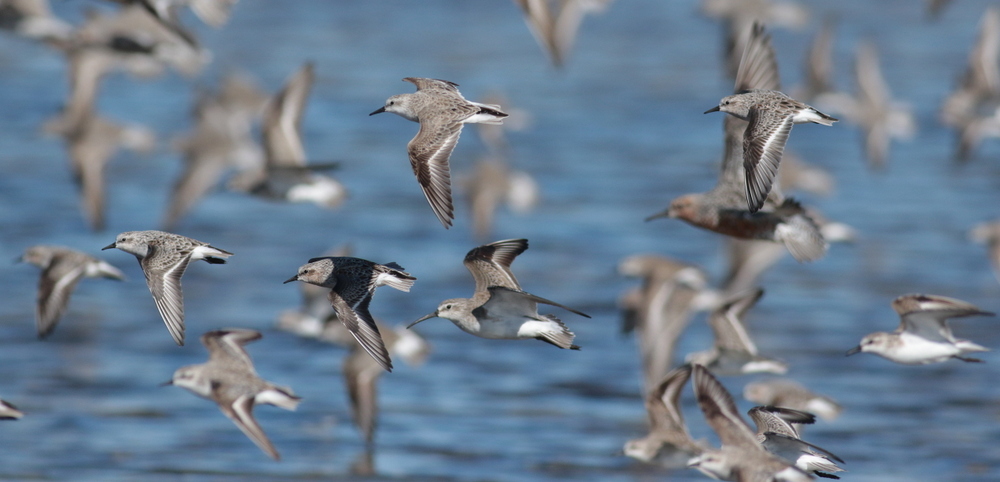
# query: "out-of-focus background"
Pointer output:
{"type": "Point", "coordinates": [610, 138]}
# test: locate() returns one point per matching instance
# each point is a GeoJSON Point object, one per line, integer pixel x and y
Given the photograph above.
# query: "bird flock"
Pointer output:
{"type": "Point", "coordinates": [747, 206]}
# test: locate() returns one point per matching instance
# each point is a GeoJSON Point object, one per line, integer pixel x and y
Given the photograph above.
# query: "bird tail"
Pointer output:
{"type": "Point", "coordinates": [397, 278]}
{"type": "Point", "coordinates": [563, 338]}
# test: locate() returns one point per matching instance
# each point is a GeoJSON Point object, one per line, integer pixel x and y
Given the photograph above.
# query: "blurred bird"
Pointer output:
{"type": "Point", "coordinates": [923, 335]}
{"type": "Point", "coordinates": [286, 175]}
{"type": "Point", "coordinates": [818, 67]}
{"type": "Point", "coordinates": [671, 292]}
{"type": "Point", "coordinates": [668, 443]}
{"type": "Point", "coordinates": [362, 372]}
{"type": "Point", "coordinates": [972, 108]}
{"type": "Point", "coordinates": [9, 412]}
{"type": "Point", "coordinates": [872, 108]}
{"type": "Point", "coordinates": [230, 380]}
{"type": "Point", "coordinates": [785, 392]}
{"type": "Point", "coordinates": [555, 23]}
{"type": "Point", "coordinates": [212, 12]}
{"type": "Point", "coordinates": [733, 352]}
{"type": "Point", "coordinates": [739, 16]}
{"type": "Point", "coordinates": [494, 182]}
{"type": "Point", "coordinates": [33, 19]}
{"type": "Point", "coordinates": [221, 140]}
{"type": "Point", "coordinates": [988, 233]}
{"type": "Point", "coordinates": [62, 268]}
{"type": "Point", "coordinates": [91, 144]}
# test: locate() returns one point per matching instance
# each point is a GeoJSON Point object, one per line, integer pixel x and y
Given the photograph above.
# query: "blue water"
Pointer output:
{"type": "Point", "coordinates": [614, 137]}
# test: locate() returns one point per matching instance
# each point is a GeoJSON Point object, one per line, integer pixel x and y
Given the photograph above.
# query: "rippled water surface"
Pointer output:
{"type": "Point", "coordinates": [613, 138]}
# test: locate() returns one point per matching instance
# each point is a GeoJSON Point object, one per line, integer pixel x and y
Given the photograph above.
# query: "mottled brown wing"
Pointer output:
{"type": "Point", "coordinates": [490, 263]}
{"type": "Point", "coordinates": [423, 83]}
{"type": "Point", "coordinates": [763, 143]}
{"type": "Point", "coordinates": [361, 325]}
{"type": "Point", "coordinates": [429, 153]}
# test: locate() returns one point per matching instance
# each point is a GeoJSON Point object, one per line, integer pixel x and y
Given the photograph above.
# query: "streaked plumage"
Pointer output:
{"type": "Point", "coordinates": [163, 258]}
{"type": "Point", "coordinates": [441, 111]}
{"type": "Point", "coordinates": [230, 380]}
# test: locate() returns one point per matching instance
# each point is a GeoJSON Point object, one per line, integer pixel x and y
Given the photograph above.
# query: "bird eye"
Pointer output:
{"type": "Point", "coordinates": [447, 307]}
{"type": "Point", "coordinates": [391, 102]}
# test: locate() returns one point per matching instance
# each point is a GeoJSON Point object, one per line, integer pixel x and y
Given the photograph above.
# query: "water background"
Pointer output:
{"type": "Point", "coordinates": [613, 138]}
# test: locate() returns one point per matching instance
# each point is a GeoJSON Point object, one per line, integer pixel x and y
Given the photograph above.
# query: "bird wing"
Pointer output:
{"type": "Point", "coordinates": [662, 402]}
{"type": "Point", "coordinates": [283, 119]}
{"type": "Point", "coordinates": [240, 411]}
{"type": "Point", "coordinates": [763, 143]}
{"type": "Point", "coordinates": [361, 325]}
{"type": "Point", "coordinates": [55, 285]}
{"type": "Point", "coordinates": [720, 411]}
{"type": "Point", "coordinates": [490, 263]}
{"type": "Point", "coordinates": [227, 346]}
{"type": "Point", "coordinates": [759, 66]}
{"type": "Point", "coordinates": [727, 325]}
{"type": "Point", "coordinates": [429, 153]}
{"type": "Point", "coordinates": [361, 373]}
{"type": "Point", "coordinates": [432, 84]}
{"type": "Point", "coordinates": [165, 285]}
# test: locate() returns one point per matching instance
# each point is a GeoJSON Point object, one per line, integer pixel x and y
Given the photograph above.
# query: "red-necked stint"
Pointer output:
{"type": "Point", "coordinates": [352, 283]}
{"type": "Point", "coordinates": [923, 335]}
{"type": "Point", "coordinates": [62, 269]}
{"type": "Point", "coordinates": [498, 308]}
{"type": "Point", "coordinates": [733, 351]}
{"type": "Point", "coordinates": [741, 458]}
{"type": "Point", "coordinates": [778, 436]}
{"type": "Point", "coordinates": [229, 379]}
{"type": "Point", "coordinates": [163, 258]}
{"type": "Point", "coordinates": [668, 443]}
{"type": "Point", "coordinates": [441, 111]}
{"type": "Point", "coordinates": [770, 115]}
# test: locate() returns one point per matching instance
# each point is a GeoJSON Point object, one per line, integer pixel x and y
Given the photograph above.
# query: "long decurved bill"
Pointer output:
{"type": "Point", "coordinates": [713, 109]}
{"type": "Point", "coordinates": [379, 111]}
{"type": "Point", "coordinates": [425, 317]}
{"type": "Point", "coordinates": [854, 350]}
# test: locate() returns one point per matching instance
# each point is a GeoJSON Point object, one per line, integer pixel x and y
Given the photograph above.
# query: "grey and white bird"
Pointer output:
{"type": "Point", "coordinates": [230, 380]}
{"type": "Point", "coordinates": [668, 443]}
{"type": "Point", "coordinates": [733, 351]}
{"type": "Point", "coordinates": [352, 283]}
{"type": "Point", "coordinates": [778, 436]}
{"type": "Point", "coordinates": [163, 258]}
{"type": "Point", "coordinates": [499, 308]}
{"type": "Point", "coordinates": [742, 458]}
{"type": "Point", "coordinates": [923, 335]}
{"type": "Point", "coordinates": [62, 268]}
{"type": "Point", "coordinates": [441, 111]}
